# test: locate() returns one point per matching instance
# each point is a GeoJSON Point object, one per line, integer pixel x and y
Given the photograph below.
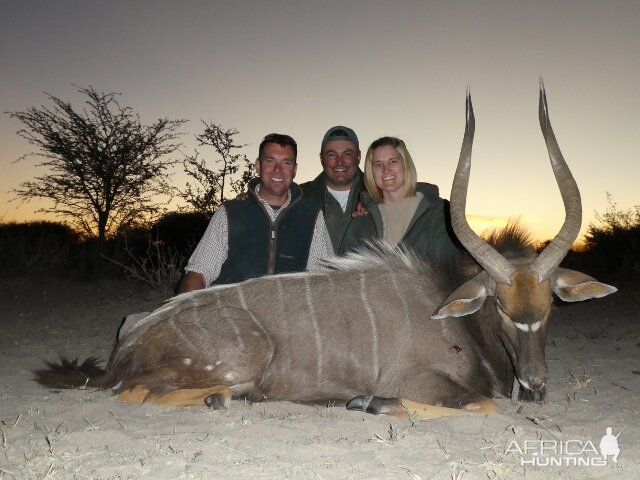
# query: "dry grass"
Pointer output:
{"type": "Point", "coordinates": [160, 267]}
{"type": "Point", "coordinates": [497, 470]}
{"type": "Point", "coordinates": [579, 381]}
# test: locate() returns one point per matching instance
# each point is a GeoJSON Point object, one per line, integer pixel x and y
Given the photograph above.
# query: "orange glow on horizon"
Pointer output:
{"type": "Point", "coordinates": [481, 224]}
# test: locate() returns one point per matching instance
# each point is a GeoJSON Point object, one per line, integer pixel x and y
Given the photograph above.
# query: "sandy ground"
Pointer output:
{"type": "Point", "coordinates": [593, 356]}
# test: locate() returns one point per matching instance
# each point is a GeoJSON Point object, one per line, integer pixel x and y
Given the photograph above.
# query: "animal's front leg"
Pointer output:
{"type": "Point", "coordinates": [435, 396]}
{"type": "Point", "coordinates": [398, 407]}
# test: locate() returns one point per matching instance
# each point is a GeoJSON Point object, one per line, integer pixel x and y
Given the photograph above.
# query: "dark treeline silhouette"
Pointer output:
{"type": "Point", "coordinates": [611, 246]}
{"type": "Point", "coordinates": [56, 249]}
{"type": "Point", "coordinates": [611, 252]}
{"type": "Point", "coordinates": [39, 247]}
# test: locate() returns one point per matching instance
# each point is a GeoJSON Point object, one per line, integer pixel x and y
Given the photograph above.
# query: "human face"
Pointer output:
{"type": "Point", "coordinates": [340, 159]}
{"type": "Point", "coordinates": [276, 168]}
{"type": "Point", "coordinates": [388, 172]}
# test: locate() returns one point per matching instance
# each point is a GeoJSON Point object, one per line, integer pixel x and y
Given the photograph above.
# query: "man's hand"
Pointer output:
{"type": "Point", "coordinates": [191, 281]}
{"type": "Point", "coordinates": [359, 211]}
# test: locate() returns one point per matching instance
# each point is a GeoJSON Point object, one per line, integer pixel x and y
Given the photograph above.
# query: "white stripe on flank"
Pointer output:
{"type": "Point", "coordinates": [374, 328]}
{"type": "Point", "coordinates": [405, 308]}
{"type": "Point", "coordinates": [243, 304]}
{"type": "Point", "coordinates": [204, 340]}
{"type": "Point", "coordinates": [243, 301]}
{"type": "Point", "coordinates": [234, 325]}
{"type": "Point", "coordinates": [316, 331]}
{"type": "Point", "coordinates": [281, 297]}
{"type": "Point", "coordinates": [282, 317]}
{"type": "Point", "coordinates": [182, 336]}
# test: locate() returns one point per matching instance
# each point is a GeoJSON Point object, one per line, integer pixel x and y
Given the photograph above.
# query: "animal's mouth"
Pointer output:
{"type": "Point", "coordinates": [528, 386]}
{"type": "Point", "coordinates": [522, 390]}
{"type": "Point", "coordinates": [524, 384]}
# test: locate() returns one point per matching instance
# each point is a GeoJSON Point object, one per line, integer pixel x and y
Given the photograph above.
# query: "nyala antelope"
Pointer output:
{"type": "Point", "coordinates": [383, 331]}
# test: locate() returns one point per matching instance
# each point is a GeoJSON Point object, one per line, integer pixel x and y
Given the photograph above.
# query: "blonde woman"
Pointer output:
{"type": "Point", "coordinates": [400, 209]}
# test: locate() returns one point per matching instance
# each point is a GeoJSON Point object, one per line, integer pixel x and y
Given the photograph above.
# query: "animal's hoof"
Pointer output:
{"type": "Point", "coordinates": [360, 403]}
{"type": "Point", "coordinates": [374, 405]}
{"type": "Point", "coordinates": [539, 395]}
{"type": "Point", "coordinates": [216, 401]}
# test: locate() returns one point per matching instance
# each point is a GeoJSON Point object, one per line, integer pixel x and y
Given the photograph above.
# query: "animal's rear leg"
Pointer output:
{"type": "Point", "coordinates": [218, 400]}
{"type": "Point", "coordinates": [137, 394]}
{"type": "Point", "coordinates": [215, 397]}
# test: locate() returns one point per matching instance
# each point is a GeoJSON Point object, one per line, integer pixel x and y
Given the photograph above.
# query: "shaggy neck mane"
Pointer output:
{"type": "Point", "coordinates": [513, 241]}
{"type": "Point", "coordinates": [378, 255]}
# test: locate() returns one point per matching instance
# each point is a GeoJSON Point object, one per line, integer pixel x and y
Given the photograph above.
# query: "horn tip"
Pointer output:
{"type": "Point", "coordinates": [543, 93]}
{"type": "Point", "coordinates": [544, 108]}
{"type": "Point", "coordinates": [469, 103]}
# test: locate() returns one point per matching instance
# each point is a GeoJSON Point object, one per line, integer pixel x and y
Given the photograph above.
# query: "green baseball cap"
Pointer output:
{"type": "Point", "coordinates": [340, 132]}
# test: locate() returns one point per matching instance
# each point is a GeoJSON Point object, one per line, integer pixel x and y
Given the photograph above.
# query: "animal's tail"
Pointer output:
{"type": "Point", "coordinates": [68, 374]}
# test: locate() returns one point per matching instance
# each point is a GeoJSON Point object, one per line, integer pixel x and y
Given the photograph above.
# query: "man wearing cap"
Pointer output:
{"type": "Point", "coordinates": [337, 189]}
{"type": "Point", "coordinates": [274, 230]}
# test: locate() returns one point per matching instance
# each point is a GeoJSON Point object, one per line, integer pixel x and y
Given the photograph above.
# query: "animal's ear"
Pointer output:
{"type": "Point", "coordinates": [466, 299]}
{"type": "Point", "coordinates": [572, 286]}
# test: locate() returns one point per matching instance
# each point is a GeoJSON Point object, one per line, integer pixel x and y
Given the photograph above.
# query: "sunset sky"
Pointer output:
{"type": "Point", "coordinates": [383, 68]}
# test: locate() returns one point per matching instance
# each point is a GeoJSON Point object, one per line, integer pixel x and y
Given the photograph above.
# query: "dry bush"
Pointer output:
{"type": "Point", "coordinates": [157, 255]}
{"type": "Point", "coordinates": [159, 266]}
{"type": "Point", "coordinates": [612, 245]}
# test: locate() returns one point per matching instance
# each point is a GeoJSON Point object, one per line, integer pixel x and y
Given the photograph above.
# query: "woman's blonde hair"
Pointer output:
{"type": "Point", "coordinates": [410, 175]}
